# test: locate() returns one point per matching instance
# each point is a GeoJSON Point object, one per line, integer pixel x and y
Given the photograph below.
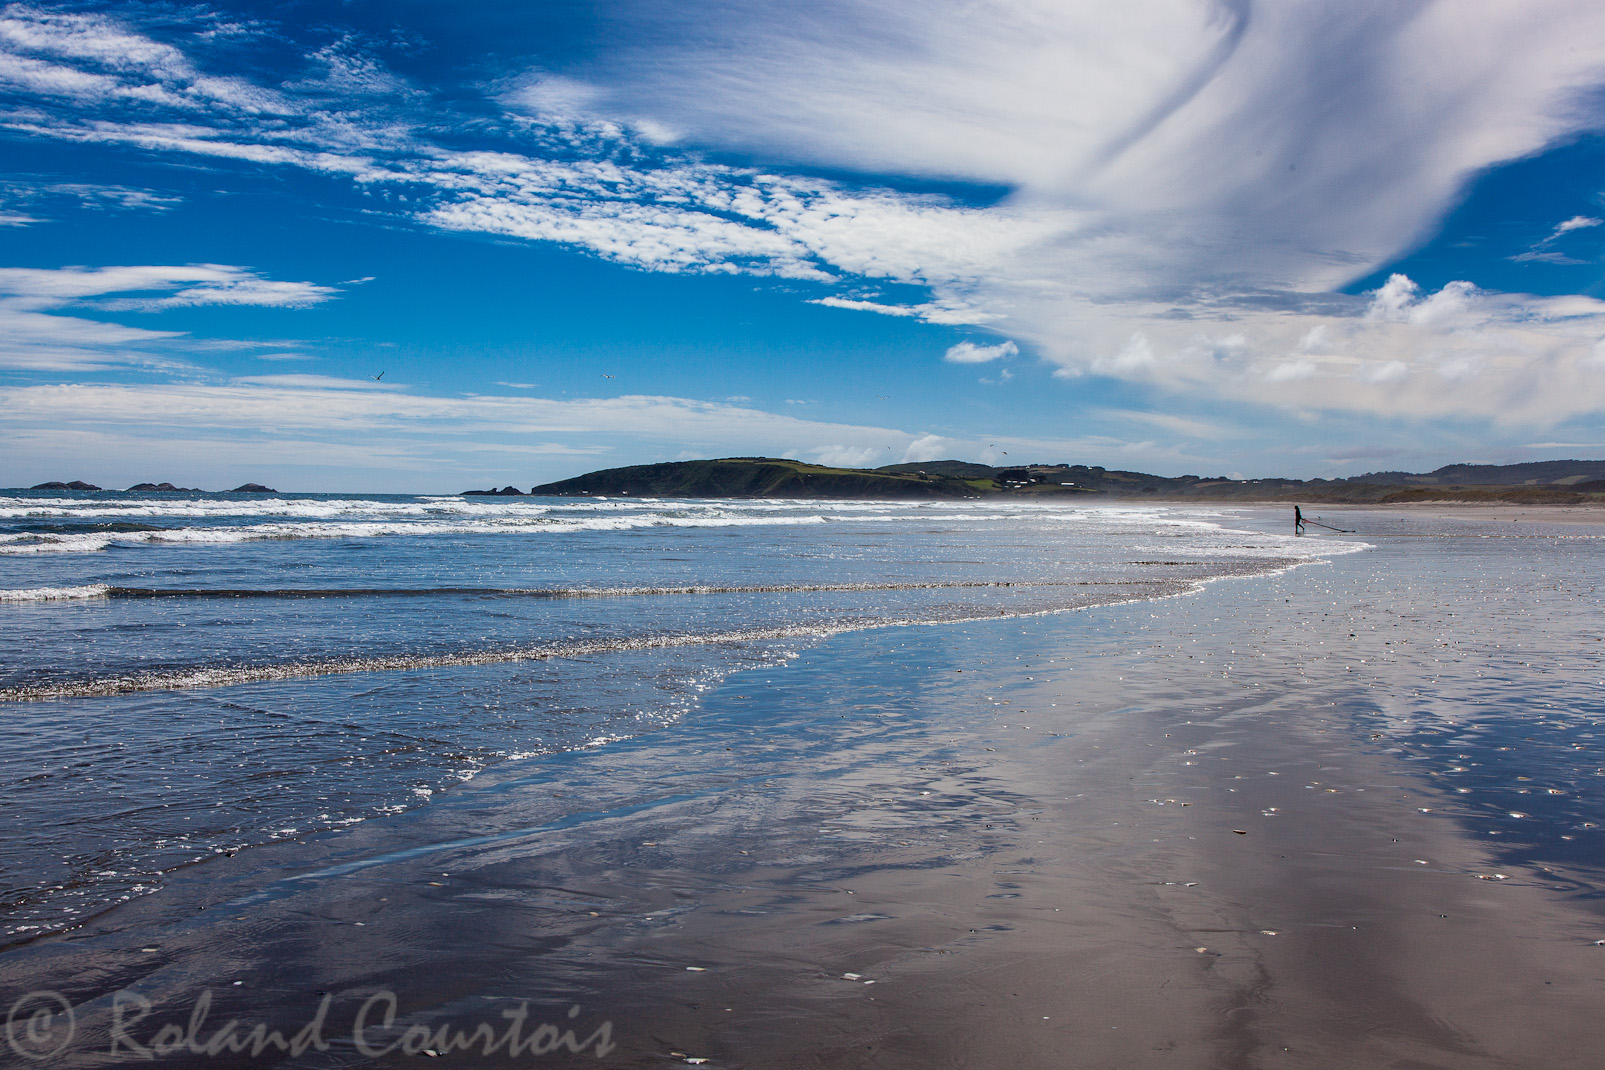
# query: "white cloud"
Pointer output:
{"type": "Point", "coordinates": [931, 448]}
{"type": "Point", "coordinates": [1546, 256]}
{"type": "Point", "coordinates": [839, 456]}
{"type": "Point", "coordinates": [1405, 354]}
{"type": "Point", "coordinates": [954, 313]}
{"type": "Point", "coordinates": [1132, 357]}
{"type": "Point", "coordinates": [341, 406]}
{"type": "Point", "coordinates": [1541, 251]}
{"type": "Point", "coordinates": [242, 289]}
{"type": "Point", "coordinates": [1391, 372]}
{"type": "Point", "coordinates": [1182, 425]}
{"type": "Point", "coordinates": [554, 97]}
{"type": "Point", "coordinates": [1576, 222]}
{"type": "Point", "coordinates": [1291, 370]}
{"type": "Point", "coordinates": [970, 353]}
{"type": "Point", "coordinates": [316, 382]}
{"type": "Point", "coordinates": [36, 336]}
{"type": "Point", "coordinates": [386, 437]}
{"type": "Point", "coordinates": [192, 284]}
{"type": "Point", "coordinates": [94, 58]}
{"type": "Point", "coordinates": [1326, 137]}
{"type": "Point", "coordinates": [90, 195]}
{"type": "Point", "coordinates": [1189, 180]}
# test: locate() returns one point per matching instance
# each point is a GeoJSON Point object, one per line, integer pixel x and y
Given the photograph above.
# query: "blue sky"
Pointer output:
{"type": "Point", "coordinates": [1299, 238]}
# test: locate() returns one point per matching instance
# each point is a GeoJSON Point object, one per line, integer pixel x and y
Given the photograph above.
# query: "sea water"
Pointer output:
{"type": "Point", "coordinates": [185, 675]}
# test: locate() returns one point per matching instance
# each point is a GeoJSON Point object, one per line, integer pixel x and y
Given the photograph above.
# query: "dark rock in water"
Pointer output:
{"type": "Point", "coordinates": [505, 491]}
{"type": "Point", "coordinates": [252, 488]}
{"type": "Point", "coordinates": [76, 484]}
{"type": "Point", "coordinates": [164, 488]}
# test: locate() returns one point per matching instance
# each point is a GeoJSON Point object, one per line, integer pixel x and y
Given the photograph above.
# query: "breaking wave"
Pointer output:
{"type": "Point", "coordinates": [230, 675]}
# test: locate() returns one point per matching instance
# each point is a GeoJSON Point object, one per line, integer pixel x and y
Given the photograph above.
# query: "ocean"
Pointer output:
{"type": "Point", "coordinates": [191, 675]}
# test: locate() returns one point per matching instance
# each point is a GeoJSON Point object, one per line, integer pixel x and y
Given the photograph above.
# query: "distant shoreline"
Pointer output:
{"type": "Point", "coordinates": [1557, 483]}
{"type": "Point", "coordinates": [1463, 501]}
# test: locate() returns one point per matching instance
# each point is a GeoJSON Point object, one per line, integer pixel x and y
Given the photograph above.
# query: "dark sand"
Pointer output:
{"type": "Point", "coordinates": [1034, 859]}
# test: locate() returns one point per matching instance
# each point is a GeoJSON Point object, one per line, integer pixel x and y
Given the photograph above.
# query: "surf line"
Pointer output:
{"type": "Point", "coordinates": [207, 677]}
{"type": "Point", "coordinates": [105, 591]}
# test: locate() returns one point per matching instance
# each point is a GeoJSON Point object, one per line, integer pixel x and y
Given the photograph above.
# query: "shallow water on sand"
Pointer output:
{"type": "Point", "coordinates": [190, 675]}
{"type": "Point", "coordinates": [928, 759]}
{"type": "Point", "coordinates": [1492, 687]}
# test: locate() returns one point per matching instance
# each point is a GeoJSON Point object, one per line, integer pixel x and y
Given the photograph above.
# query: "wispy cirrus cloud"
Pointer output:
{"type": "Point", "coordinates": [1543, 250]}
{"type": "Point", "coordinates": [98, 60]}
{"type": "Point", "coordinates": [48, 197]}
{"type": "Point", "coordinates": [1189, 181]}
{"type": "Point", "coordinates": [36, 335]}
{"type": "Point", "coordinates": [584, 182]}
{"type": "Point", "coordinates": [1576, 222]}
{"type": "Point", "coordinates": [190, 284]}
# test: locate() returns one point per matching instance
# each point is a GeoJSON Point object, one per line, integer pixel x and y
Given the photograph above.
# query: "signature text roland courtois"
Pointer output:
{"type": "Point", "coordinates": [42, 1026]}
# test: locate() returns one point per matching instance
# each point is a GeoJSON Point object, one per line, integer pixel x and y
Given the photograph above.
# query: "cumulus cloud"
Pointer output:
{"type": "Point", "coordinates": [931, 448]}
{"type": "Point", "coordinates": [1403, 353]}
{"type": "Point", "coordinates": [839, 456]}
{"type": "Point", "coordinates": [970, 353]}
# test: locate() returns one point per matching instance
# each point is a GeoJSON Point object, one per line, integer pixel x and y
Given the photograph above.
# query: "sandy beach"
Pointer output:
{"type": "Point", "coordinates": [1217, 830]}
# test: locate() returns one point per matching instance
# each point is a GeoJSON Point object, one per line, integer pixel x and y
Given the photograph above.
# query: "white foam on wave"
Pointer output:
{"type": "Point", "coordinates": [307, 508]}
{"type": "Point", "coordinates": [54, 594]}
{"type": "Point", "coordinates": [30, 542]}
{"type": "Point", "coordinates": [223, 675]}
{"type": "Point", "coordinates": [219, 522]}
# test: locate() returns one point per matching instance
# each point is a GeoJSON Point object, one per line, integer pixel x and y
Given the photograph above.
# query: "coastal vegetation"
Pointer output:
{"type": "Point", "coordinates": [1540, 482]}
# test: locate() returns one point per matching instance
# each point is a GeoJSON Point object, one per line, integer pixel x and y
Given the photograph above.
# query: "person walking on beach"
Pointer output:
{"type": "Point", "coordinates": [1298, 521]}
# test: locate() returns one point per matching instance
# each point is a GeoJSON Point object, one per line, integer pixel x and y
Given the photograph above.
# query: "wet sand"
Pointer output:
{"type": "Point", "coordinates": [1004, 844]}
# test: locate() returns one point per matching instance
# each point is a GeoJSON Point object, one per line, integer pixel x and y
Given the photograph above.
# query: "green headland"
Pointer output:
{"type": "Point", "coordinates": [1540, 482]}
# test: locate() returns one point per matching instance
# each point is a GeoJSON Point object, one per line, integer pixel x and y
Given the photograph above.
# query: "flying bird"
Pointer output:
{"type": "Point", "coordinates": [376, 378]}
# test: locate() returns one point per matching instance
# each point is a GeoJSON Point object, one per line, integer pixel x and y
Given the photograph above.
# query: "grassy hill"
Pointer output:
{"type": "Point", "coordinates": [777, 477]}
{"type": "Point", "coordinates": [760, 477]}
{"type": "Point", "coordinates": [1528, 474]}
{"type": "Point", "coordinates": [1556, 482]}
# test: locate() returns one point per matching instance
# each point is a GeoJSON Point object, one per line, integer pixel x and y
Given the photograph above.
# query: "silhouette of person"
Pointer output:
{"type": "Point", "coordinates": [1298, 521]}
